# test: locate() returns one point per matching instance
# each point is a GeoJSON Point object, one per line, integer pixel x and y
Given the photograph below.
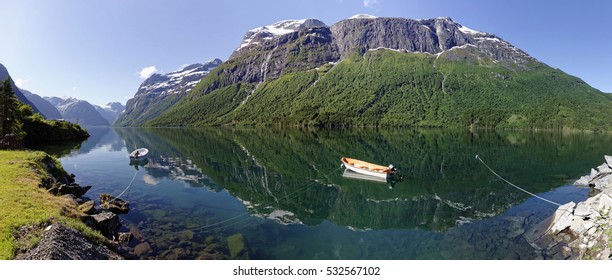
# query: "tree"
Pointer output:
{"type": "Point", "coordinates": [10, 116]}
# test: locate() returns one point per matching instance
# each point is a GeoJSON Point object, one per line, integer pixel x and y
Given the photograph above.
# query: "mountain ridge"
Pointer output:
{"type": "Point", "coordinates": [161, 91]}
{"type": "Point", "coordinates": [380, 71]}
{"type": "Point", "coordinates": [78, 111]}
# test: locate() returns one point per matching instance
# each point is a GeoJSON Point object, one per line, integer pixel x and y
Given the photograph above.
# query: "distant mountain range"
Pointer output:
{"type": "Point", "coordinates": [160, 91]}
{"type": "Point", "coordinates": [68, 108]}
{"type": "Point", "coordinates": [46, 108]}
{"type": "Point", "coordinates": [111, 111]}
{"type": "Point", "coordinates": [84, 113]}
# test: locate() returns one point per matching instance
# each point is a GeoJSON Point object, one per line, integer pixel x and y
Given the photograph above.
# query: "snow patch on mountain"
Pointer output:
{"type": "Point", "coordinates": [183, 80]}
{"type": "Point", "coordinates": [268, 32]}
{"type": "Point", "coordinates": [363, 16]}
{"type": "Point", "coordinates": [467, 30]}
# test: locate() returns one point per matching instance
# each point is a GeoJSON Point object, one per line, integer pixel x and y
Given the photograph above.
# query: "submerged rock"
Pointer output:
{"type": "Point", "coordinates": [108, 224]}
{"type": "Point", "coordinates": [87, 207]}
{"type": "Point", "coordinates": [237, 247]}
{"type": "Point", "coordinates": [114, 204]}
{"type": "Point", "coordinates": [142, 249]}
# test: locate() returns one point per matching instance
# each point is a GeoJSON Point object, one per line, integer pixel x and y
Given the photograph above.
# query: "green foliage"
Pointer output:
{"type": "Point", "coordinates": [40, 131]}
{"type": "Point", "coordinates": [10, 116]}
{"type": "Point", "coordinates": [147, 111]}
{"type": "Point", "coordinates": [459, 88]}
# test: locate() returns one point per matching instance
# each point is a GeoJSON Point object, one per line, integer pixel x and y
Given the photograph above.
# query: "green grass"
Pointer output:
{"type": "Point", "coordinates": [23, 203]}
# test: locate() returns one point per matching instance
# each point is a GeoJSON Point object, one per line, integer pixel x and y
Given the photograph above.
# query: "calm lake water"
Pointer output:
{"type": "Point", "coordinates": [280, 193]}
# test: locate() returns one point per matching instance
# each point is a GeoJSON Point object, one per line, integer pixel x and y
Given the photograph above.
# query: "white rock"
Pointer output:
{"type": "Point", "coordinates": [588, 224]}
{"type": "Point", "coordinates": [591, 244]}
{"type": "Point", "coordinates": [604, 169]}
{"type": "Point", "coordinates": [582, 210]}
{"type": "Point", "coordinates": [605, 201]}
{"type": "Point", "coordinates": [602, 183]}
{"type": "Point", "coordinates": [562, 218]}
{"type": "Point", "coordinates": [608, 160]}
{"type": "Point", "coordinates": [593, 173]}
{"type": "Point", "coordinates": [578, 227]}
{"type": "Point", "coordinates": [583, 181]}
{"type": "Point", "coordinates": [592, 230]}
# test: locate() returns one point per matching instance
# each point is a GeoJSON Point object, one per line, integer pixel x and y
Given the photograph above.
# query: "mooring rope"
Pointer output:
{"type": "Point", "coordinates": [128, 186]}
{"type": "Point", "coordinates": [519, 188]}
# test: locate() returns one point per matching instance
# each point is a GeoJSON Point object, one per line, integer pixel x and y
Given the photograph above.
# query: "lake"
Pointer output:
{"type": "Point", "coordinates": [267, 193]}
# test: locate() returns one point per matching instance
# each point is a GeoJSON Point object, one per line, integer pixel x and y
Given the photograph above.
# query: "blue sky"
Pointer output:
{"type": "Point", "coordinates": [96, 50]}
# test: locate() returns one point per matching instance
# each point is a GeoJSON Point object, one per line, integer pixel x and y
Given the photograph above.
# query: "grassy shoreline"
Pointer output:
{"type": "Point", "coordinates": [24, 204]}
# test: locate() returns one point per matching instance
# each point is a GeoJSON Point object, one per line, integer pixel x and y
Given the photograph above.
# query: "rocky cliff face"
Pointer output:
{"type": "Point", "coordinates": [296, 45]}
{"type": "Point", "coordinates": [428, 36]}
{"type": "Point", "coordinates": [273, 50]}
{"type": "Point", "coordinates": [160, 91]}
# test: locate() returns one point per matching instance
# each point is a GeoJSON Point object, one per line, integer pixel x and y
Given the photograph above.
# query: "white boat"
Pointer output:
{"type": "Point", "coordinates": [354, 175]}
{"type": "Point", "coordinates": [367, 168]}
{"type": "Point", "coordinates": [139, 154]}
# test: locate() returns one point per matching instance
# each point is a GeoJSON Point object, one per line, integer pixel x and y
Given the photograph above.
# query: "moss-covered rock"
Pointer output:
{"type": "Point", "coordinates": [237, 247]}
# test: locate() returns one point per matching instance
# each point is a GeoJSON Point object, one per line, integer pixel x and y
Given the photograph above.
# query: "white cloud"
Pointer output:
{"type": "Point", "coordinates": [74, 88]}
{"type": "Point", "coordinates": [147, 72]}
{"type": "Point", "coordinates": [369, 3]}
{"type": "Point", "coordinates": [19, 82]}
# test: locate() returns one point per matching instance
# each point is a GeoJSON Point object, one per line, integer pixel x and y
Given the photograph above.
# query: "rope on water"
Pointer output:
{"type": "Point", "coordinates": [128, 186]}
{"type": "Point", "coordinates": [519, 188]}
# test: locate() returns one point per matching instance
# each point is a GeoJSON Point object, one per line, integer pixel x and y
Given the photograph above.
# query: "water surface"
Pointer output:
{"type": "Point", "coordinates": [280, 194]}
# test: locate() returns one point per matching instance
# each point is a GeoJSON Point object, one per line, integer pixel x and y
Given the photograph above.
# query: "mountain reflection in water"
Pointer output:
{"type": "Point", "coordinates": [445, 208]}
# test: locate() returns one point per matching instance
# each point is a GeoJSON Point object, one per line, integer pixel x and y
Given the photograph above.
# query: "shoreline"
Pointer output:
{"type": "Point", "coordinates": [583, 230]}
{"type": "Point", "coordinates": [48, 217]}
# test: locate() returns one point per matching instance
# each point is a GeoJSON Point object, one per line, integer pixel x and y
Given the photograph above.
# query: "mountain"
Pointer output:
{"type": "Point", "coordinates": [111, 111]}
{"type": "Point", "coordinates": [46, 108]}
{"type": "Point", "coordinates": [160, 91]}
{"type": "Point", "coordinates": [4, 74]}
{"type": "Point", "coordinates": [78, 111]}
{"type": "Point", "coordinates": [369, 71]}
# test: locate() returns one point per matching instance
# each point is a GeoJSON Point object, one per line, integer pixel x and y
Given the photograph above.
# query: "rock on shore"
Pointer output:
{"type": "Point", "coordinates": [582, 230]}
{"type": "Point", "coordinates": [60, 242]}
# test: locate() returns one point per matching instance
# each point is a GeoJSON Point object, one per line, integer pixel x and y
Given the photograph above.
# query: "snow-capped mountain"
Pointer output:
{"type": "Point", "coordinates": [110, 111]}
{"type": "Point", "coordinates": [268, 32]}
{"type": "Point", "coordinates": [160, 91]}
{"type": "Point", "coordinates": [78, 111]}
{"type": "Point", "coordinates": [178, 81]}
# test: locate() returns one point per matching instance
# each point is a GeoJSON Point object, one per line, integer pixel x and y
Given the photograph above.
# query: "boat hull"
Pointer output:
{"type": "Point", "coordinates": [354, 175]}
{"type": "Point", "coordinates": [142, 154]}
{"type": "Point", "coordinates": [366, 168]}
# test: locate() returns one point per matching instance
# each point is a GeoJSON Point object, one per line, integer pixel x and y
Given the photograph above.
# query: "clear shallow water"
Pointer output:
{"type": "Point", "coordinates": [280, 194]}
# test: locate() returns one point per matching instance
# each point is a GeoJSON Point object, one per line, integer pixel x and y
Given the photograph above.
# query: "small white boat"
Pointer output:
{"type": "Point", "coordinates": [354, 175]}
{"type": "Point", "coordinates": [367, 168]}
{"type": "Point", "coordinates": [139, 154]}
